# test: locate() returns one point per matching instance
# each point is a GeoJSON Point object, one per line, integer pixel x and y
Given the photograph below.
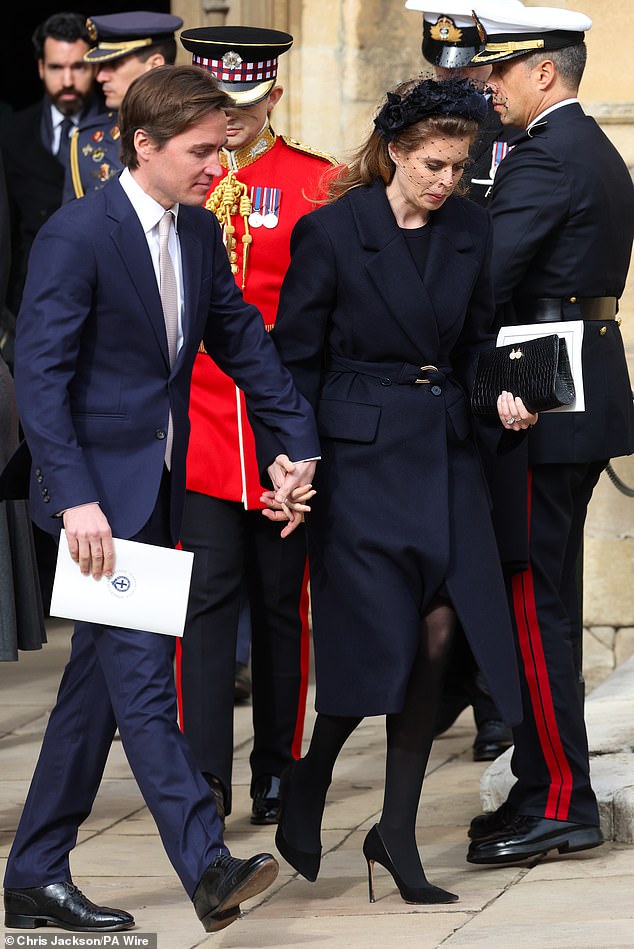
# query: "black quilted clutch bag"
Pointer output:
{"type": "Point", "coordinates": [538, 371]}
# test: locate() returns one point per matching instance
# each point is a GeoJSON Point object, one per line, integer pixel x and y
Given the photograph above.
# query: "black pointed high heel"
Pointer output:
{"type": "Point", "coordinates": [306, 863]}
{"type": "Point", "coordinates": [375, 851]}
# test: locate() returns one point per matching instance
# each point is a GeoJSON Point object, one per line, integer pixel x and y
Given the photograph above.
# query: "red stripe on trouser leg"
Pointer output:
{"type": "Point", "coordinates": [538, 682]}
{"type": "Point", "coordinates": [304, 664]}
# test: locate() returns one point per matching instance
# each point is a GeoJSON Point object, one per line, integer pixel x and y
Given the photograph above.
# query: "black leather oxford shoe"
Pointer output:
{"type": "Point", "coordinates": [266, 800]}
{"type": "Point", "coordinates": [228, 881]}
{"type": "Point", "coordinates": [527, 837]}
{"type": "Point", "coordinates": [63, 905]}
{"type": "Point", "coordinates": [486, 825]}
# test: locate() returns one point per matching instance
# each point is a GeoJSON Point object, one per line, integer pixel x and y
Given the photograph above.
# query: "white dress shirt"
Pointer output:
{"type": "Point", "coordinates": [557, 105]}
{"type": "Point", "coordinates": [57, 118]}
{"type": "Point", "coordinates": [150, 213]}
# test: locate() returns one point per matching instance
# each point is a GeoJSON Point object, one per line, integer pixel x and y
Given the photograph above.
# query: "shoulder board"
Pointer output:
{"type": "Point", "coordinates": [307, 150]}
{"type": "Point", "coordinates": [102, 119]}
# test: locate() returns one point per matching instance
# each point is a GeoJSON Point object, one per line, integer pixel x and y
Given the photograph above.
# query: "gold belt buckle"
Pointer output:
{"type": "Point", "coordinates": [425, 382]}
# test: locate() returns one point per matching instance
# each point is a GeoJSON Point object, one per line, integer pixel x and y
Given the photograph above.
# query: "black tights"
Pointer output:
{"type": "Point", "coordinates": [409, 739]}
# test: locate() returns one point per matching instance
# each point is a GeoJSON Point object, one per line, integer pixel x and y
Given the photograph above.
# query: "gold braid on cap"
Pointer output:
{"type": "Point", "coordinates": [230, 197]}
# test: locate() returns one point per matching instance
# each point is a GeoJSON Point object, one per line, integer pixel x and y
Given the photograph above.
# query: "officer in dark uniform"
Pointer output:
{"type": "Point", "coordinates": [127, 45]}
{"type": "Point", "coordinates": [452, 36]}
{"type": "Point", "coordinates": [563, 211]}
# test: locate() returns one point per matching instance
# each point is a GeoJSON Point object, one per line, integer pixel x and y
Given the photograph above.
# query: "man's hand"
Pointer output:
{"type": "Point", "coordinates": [292, 490]}
{"type": "Point", "coordinates": [90, 539]}
{"type": "Point", "coordinates": [513, 413]}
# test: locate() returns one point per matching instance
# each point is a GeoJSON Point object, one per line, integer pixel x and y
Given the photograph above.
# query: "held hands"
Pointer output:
{"type": "Point", "coordinates": [90, 539]}
{"type": "Point", "coordinates": [293, 488]}
{"type": "Point", "coordinates": [513, 414]}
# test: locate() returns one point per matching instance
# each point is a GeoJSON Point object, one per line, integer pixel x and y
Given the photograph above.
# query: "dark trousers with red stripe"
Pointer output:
{"type": "Point", "coordinates": [550, 758]}
{"type": "Point", "coordinates": [236, 550]}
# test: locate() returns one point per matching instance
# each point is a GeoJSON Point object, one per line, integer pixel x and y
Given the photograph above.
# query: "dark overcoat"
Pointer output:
{"type": "Point", "coordinates": [401, 505]}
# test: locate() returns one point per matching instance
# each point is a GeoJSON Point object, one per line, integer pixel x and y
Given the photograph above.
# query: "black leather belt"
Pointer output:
{"type": "Point", "coordinates": [551, 310]}
{"type": "Point", "coordinates": [391, 373]}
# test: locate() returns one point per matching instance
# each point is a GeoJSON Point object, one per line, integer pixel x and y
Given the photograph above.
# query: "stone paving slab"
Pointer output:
{"type": "Point", "coordinates": [567, 915]}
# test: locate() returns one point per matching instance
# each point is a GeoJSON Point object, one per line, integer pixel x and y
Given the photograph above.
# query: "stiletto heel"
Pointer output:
{"type": "Point", "coordinates": [371, 880]}
{"type": "Point", "coordinates": [305, 862]}
{"type": "Point", "coordinates": [375, 851]}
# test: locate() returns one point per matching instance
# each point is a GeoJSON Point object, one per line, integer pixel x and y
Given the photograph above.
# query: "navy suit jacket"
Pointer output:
{"type": "Point", "coordinates": [93, 380]}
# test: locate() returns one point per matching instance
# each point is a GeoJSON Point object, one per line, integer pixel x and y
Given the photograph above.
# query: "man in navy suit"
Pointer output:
{"type": "Point", "coordinates": [563, 213]}
{"type": "Point", "coordinates": [103, 366]}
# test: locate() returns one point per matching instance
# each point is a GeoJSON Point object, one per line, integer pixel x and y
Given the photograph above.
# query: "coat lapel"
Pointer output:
{"type": "Point", "coordinates": [389, 264]}
{"type": "Point", "coordinates": [451, 265]}
{"type": "Point", "coordinates": [394, 274]}
{"type": "Point", "coordinates": [129, 239]}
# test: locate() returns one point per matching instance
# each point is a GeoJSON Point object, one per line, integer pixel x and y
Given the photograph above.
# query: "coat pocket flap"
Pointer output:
{"type": "Point", "coordinates": [349, 421]}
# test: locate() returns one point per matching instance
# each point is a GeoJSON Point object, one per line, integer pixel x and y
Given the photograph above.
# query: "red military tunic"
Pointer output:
{"type": "Point", "coordinates": [282, 180]}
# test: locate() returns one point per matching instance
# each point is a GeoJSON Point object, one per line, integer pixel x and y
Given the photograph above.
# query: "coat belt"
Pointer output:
{"type": "Point", "coordinates": [555, 309]}
{"type": "Point", "coordinates": [391, 373]}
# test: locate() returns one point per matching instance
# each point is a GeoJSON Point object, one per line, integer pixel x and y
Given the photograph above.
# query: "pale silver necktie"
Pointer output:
{"type": "Point", "coordinates": [169, 300]}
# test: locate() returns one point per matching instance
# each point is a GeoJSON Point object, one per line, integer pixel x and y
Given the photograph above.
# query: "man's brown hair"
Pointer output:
{"type": "Point", "coordinates": [165, 102]}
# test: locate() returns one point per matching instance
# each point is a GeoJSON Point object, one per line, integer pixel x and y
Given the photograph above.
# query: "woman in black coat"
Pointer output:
{"type": "Point", "coordinates": [386, 299]}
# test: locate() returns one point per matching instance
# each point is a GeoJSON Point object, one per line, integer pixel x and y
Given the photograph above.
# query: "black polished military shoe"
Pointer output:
{"type": "Point", "coordinates": [62, 905]}
{"type": "Point", "coordinates": [265, 792]}
{"type": "Point", "coordinates": [486, 825]}
{"type": "Point", "coordinates": [492, 739]}
{"type": "Point", "coordinates": [528, 837]}
{"type": "Point", "coordinates": [228, 881]}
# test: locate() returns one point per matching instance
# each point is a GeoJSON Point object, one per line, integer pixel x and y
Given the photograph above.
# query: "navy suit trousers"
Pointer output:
{"type": "Point", "coordinates": [116, 678]}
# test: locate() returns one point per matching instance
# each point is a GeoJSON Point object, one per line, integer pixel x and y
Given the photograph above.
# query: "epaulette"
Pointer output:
{"type": "Point", "coordinates": [308, 150]}
{"type": "Point", "coordinates": [98, 119]}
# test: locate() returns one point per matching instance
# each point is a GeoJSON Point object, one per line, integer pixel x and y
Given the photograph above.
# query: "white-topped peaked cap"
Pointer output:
{"type": "Point", "coordinates": [518, 30]}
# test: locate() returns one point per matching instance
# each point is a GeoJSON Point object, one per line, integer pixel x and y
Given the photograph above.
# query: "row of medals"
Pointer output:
{"type": "Point", "coordinates": [267, 202]}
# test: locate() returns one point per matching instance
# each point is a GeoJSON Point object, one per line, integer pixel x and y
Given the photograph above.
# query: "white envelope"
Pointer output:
{"type": "Point", "coordinates": [148, 590]}
{"type": "Point", "coordinates": [572, 332]}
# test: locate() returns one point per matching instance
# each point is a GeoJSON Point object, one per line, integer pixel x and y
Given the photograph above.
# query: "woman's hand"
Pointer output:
{"type": "Point", "coordinates": [513, 414]}
{"type": "Point", "coordinates": [291, 510]}
{"type": "Point", "coordinates": [293, 489]}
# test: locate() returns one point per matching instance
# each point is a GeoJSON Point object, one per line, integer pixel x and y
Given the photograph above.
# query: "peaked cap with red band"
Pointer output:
{"type": "Point", "coordinates": [243, 59]}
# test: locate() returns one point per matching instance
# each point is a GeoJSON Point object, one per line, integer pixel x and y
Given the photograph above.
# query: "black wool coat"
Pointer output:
{"type": "Point", "coordinates": [401, 506]}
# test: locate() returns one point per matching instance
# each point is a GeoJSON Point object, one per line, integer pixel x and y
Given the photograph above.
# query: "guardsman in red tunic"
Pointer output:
{"type": "Point", "coordinates": [270, 181]}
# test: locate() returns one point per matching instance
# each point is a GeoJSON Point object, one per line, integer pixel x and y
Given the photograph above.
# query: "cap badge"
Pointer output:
{"type": "Point", "coordinates": [232, 60]}
{"type": "Point", "coordinates": [445, 31]}
{"type": "Point", "coordinates": [91, 29]}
